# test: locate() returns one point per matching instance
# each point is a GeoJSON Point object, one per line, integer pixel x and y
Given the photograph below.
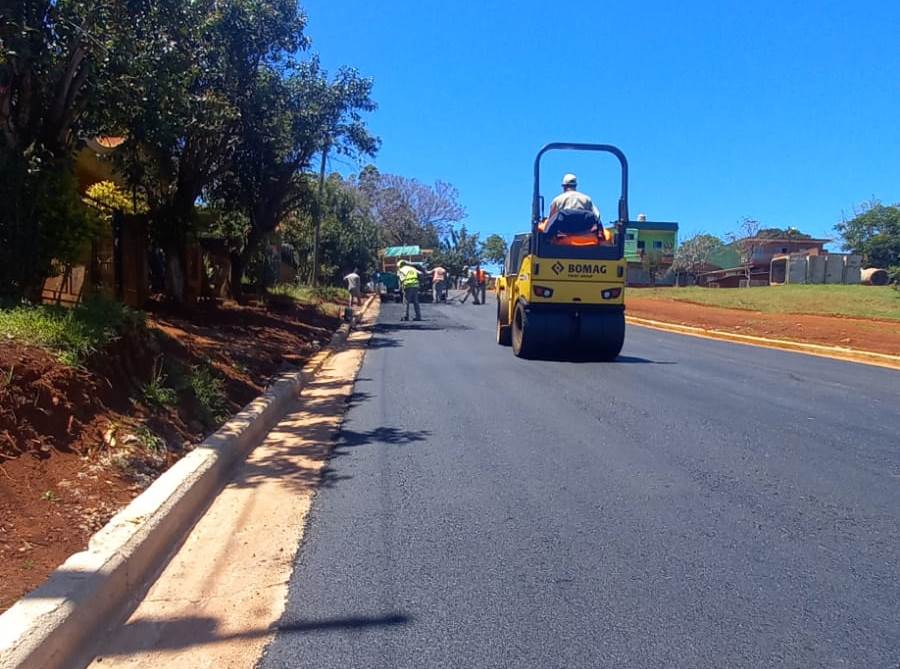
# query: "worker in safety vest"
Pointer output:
{"type": "Point", "coordinates": [409, 284]}
{"type": "Point", "coordinates": [482, 277]}
{"type": "Point", "coordinates": [471, 287]}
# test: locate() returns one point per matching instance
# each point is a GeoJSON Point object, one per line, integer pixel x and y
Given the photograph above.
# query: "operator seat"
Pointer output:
{"type": "Point", "coordinates": [573, 227]}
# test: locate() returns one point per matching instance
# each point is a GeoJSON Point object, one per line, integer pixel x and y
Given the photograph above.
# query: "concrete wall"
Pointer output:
{"type": "Point", "coordinates": [852, 269]}
{"type": "Point", "coordinates": [815, 269]}
{"type": "Point", "coordinates": [796, 269]}
{"type": "Point", "coordinates": [834, 269]}
{"type": "Point", "coordinates": [637, 276]}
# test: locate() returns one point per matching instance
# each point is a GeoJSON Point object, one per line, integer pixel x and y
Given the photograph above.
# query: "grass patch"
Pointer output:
{"type": "Point", "coordinates": [73, 334]}
{"type": "Point", "coordinates": [875, 302]}
{"type": "Point", "coordinates": [209, 390]}
{"type": "Point", "coordinates": [156, 393]}
{"type": "Point", "coordinates": [310, 295]}
{"type": "Point", "coordinates": [148, 440]}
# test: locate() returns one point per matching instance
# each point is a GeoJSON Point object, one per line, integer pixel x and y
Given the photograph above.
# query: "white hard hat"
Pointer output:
{"type": "Point", "coordinates": [570, 180]}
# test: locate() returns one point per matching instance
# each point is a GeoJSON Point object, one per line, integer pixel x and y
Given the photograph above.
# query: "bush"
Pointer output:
{"type": "Point", "coordinates": [894, 274]}
{"type": "Point", "coordinates": [156, 393]}
{"type": "Point", "coordinates": [74, 334]}
{"type": "Point", "coordinates": [43, 220]}
{"type": "Point", "coordinates": [209, 390]}
{"type": "Point", "coordinates": [310, 295]}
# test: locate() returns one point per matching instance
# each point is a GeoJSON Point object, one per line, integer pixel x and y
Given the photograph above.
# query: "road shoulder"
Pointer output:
{"type": "Point", "coordinates": [218, 599]}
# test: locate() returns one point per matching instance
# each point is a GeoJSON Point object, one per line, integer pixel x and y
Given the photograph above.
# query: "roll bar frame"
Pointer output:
{"type": "Point", "coordinates": [574, 146]}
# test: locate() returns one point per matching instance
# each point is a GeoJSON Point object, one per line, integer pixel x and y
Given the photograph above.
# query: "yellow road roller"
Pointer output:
{"type": "Point", "coordinates": [562, 289]}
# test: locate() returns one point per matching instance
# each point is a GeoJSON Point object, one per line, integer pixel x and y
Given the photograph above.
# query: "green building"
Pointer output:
{"type": "Point", "coordinates": [643, 237]}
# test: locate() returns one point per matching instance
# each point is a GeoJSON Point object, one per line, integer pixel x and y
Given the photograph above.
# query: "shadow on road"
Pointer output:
{"type": "Point", "coordinates": [143, 635]}
{"type": "Point", "coordinates": [425, 324]}
{"type": "Point", "coordinates": [380, 435]}
{"type": "Point", "coordinates": [351, 623]}
{"type": "Point", "coordinates": [584, 358]}
{"type": "Point", "coordinates": [630, 359]}
{"type": "Point", "coordinates": [383, 342]}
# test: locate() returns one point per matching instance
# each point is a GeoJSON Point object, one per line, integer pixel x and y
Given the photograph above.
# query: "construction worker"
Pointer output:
{"type": "Point", "coordinates": [439, 284]}
{"type": "Point", "coordinates": [570, 198]}
{"type": "Point", "coordinates": [409, 284]}
{"type": "Point", "coordinates": [353, 282]}
{"type": "Point", "coordinates": [482, 277]}
{"type": "Point", "coordinates": [471, 287]}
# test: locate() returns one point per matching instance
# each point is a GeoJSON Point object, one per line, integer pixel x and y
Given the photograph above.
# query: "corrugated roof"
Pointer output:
{"type": "Point", "coordinates": [399, 251]}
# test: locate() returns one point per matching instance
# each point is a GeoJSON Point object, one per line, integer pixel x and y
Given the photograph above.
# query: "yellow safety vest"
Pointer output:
{"type": "Point", "coordinates": [409, 277]}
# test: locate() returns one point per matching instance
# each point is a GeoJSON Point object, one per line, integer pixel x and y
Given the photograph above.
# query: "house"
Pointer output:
{"type": "Point", "coordinates": [642, 237]}
{"type": "Point", "coordinates": [732, 273]}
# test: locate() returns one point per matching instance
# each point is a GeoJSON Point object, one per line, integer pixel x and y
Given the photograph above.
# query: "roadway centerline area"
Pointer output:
{"type": "Point", "coordinates": [695, 503]}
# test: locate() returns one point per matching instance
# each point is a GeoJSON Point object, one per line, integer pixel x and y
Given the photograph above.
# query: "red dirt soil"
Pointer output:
{"type": "Point", "coordinates": [68, 454]}
{"type": "Point", "coordinates": [863, 335]}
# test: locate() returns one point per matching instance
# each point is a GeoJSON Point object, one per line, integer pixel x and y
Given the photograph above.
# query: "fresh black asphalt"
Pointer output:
{"type": "Point", "coordinates": [694, 504]}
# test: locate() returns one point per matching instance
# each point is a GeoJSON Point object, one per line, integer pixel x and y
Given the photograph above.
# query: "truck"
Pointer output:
{"type": "Point", "coordinates": [388, 283]}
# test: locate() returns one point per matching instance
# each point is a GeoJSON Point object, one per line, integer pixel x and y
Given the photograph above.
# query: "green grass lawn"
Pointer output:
{"type": "Point", "coordinates": [73, 334]}
{"type": "Point", "coordinates": [880, 302]}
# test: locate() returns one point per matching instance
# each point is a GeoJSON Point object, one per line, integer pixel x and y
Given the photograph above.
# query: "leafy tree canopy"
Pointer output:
{"type": "Point", "coordinates": [874, 233]}
{"type": "Point", "coordinates": [494, 249]}
{"type": "Point", "coordinates": [782, 233]}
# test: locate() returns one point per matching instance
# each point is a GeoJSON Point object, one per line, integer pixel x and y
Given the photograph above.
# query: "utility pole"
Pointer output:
{"type": "Point", "coordinates": [315, 276]}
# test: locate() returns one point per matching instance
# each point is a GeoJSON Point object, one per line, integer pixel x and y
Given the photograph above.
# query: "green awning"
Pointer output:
{"type": "Point", "coordinates": [400, 251]}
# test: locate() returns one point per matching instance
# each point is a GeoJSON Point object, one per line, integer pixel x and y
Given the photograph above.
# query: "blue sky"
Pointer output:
{"type": "Point", "coordinates": [787, 112]}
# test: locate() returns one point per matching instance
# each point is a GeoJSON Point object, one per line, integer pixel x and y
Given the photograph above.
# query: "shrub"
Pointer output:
{"type": "Point", "coordinates": [310, 295]}
{"type": "Point", "coordinates": [209, 390]}
{"type": "Point", "coordinates": [74, 334]}
{"type": "Point", "coordinates": [156, 393]}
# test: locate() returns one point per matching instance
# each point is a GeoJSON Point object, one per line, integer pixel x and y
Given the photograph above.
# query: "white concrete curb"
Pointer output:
{"type": "Point", "coordinates": [58, 625]}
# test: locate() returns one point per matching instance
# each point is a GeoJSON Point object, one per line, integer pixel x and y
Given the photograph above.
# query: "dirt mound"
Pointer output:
{"type": "Point", "coordinates": [77, 444]}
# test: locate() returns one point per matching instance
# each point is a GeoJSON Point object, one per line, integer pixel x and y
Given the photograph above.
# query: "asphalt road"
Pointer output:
{"type": "Point", "coordinates": [695, 504]}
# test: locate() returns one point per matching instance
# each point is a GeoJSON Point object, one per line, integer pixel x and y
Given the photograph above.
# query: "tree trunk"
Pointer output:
{"type": "Point", "coordinates": [240, 261]}
{"type": "Point", "coordinates": [175, 273]}
{"type": "Point", "coordinates": [237, 276]}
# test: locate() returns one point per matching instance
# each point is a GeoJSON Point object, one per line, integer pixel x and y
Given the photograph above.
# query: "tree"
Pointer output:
{"type": "Point", "coordinates": [782, 233]}
{"type": "Point", "coordinates": [746, 240]}
{"type": "Point", "coordinates": [55, 55]}
{"type": "Point", "coordinates": [349, 235]}
{"type": "Point", "coordinates": [693, 256]}
{"type": "Point", "coordinates": [494, 249]}
{"type": "Point", "coordinates": [285, 124]}
{"type": "Point", "coordinates": [459, 250]}
{"type": "Point", "coordinates": [408, 211]}
{"type": "Point", "coordinates": [652, 261]}
{"type": "Point", "coordinates": [180, 122]}
{"type": "Point", "coordinates": [874, 233]}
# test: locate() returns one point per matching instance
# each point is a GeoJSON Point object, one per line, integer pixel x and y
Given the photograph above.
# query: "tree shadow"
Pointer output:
{"type": "Point", "coordinates": [383, 342]}
{"type": "Point", "coordinates": [349, 623]}
{"type": "Point", "coordinates": [380, 435]}
{"type": "Point", "coordinates": [357, 397]}
{"type": "Point", "coordinates": [183, 632]}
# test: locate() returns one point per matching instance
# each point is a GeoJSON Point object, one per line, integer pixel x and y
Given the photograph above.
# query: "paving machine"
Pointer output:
{"type": "Point", "coordinates": [562, 291]}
